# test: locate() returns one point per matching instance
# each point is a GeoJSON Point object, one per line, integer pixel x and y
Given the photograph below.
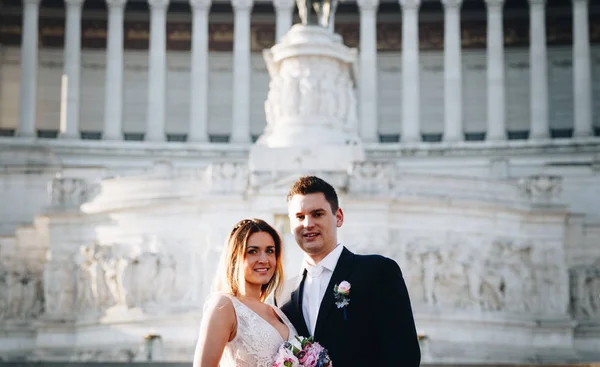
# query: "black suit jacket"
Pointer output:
{"type": "Point", "coordinates": [379, 329]}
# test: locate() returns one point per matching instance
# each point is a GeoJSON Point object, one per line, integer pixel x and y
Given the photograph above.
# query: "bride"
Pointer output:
{"type": "Point", "coordinates": [238, 328]}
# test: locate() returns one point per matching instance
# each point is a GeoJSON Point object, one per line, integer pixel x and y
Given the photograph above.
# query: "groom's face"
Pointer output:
{"type": "Point", "coordinates": [314, 224]}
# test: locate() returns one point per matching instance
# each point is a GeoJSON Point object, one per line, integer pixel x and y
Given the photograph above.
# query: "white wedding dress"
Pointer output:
{"type": "Point", "coordinates": [256, 341]}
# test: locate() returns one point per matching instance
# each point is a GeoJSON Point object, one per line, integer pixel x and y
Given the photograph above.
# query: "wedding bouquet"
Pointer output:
{"type": "Point", "coordinates": [303, 352]}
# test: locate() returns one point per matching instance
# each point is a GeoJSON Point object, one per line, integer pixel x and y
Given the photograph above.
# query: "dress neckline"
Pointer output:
{"type": "Point", "coordinates": [267, 322]}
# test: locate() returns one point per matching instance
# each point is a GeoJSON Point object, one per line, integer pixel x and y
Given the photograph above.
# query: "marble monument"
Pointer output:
{"type": "Point", "coordinates": [115, 266]}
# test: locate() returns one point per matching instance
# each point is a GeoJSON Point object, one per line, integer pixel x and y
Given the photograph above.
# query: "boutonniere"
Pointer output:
{"type": "Point", "coordinates": [341, 293]}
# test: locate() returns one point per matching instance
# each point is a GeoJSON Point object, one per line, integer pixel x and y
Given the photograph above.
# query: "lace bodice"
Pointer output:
{"type": "Point", "coordinates": [256, 341]}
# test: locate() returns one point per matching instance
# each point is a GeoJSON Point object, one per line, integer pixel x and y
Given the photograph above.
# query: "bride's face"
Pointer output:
{"type": "Point", "coordinates": [260, 259]}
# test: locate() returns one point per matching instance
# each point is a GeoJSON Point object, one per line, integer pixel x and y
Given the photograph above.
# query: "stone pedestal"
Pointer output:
{"type": "Point", "coordinates": [311, 108]}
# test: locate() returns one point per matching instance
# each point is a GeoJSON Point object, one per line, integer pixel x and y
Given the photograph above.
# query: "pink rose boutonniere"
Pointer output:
{"type": "Point", "coordinates": [342, 296]}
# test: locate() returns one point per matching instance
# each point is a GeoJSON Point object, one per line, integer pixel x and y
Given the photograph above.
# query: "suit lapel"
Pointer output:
{"type": "Point", "coordinates": [341, 272]}
{"type": "Point", "coordinates": [296, 300]}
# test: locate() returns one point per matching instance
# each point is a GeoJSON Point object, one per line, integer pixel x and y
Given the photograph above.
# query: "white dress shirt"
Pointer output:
{"type": "Point", "coordinates": [328, 265]}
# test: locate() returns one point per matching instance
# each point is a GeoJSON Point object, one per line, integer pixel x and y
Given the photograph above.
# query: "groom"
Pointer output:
{"type": "Point", "coordinates": [376, 326]}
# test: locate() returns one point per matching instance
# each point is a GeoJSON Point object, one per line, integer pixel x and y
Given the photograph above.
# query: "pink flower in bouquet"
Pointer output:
{"type": "Point", "coordinates": [312, 355]}
{"type": "Point", "coordinates": [286, 358]}
{"type": "Point", "coordinates": [302, 352]}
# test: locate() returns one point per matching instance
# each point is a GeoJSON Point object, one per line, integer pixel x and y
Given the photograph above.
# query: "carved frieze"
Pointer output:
{"type": "Point", "coordinates": [70, 192]}
{"type": "Point", "coordinates": [21, 295]}
{"type": "Point", "coordinates": [585, 291]}
{"type": "Point", "coordinates": [226, 177]}
{"type": "Point", "coordinates": [460, 271]}
{"type": "Point", "coordinates": [99, 277]}
{"type": "Point", "coordinates": [541, 189]}
{"type": "Point", "coordinates": [371, 177]}
{"type": "Point", "coordinates": [311, 89]}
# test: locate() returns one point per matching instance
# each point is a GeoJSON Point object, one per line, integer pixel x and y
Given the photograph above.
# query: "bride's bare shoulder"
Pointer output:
{"type": "Point", "coordinates": [219, 302]}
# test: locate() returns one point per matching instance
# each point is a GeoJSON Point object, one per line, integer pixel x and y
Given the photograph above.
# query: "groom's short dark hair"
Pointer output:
{"type": "Point", "coordinates": [312, 185]}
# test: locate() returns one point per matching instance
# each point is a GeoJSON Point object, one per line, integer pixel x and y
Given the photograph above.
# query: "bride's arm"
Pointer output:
{"type": "Point", "coordinates": [218, 327]}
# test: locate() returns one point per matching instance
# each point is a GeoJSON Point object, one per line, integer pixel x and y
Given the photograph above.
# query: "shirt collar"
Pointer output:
{"type": "Point", "coordinates": [330, 261]}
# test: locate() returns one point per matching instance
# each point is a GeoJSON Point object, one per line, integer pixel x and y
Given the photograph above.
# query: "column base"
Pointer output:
{"type": "Point", "coordinates": [27, 134]}
{"type": "Point", "coordinates": [198, 139]}
{"type": "Point", "coordinates": [498, 137]}
{"type": "Point", "coordinates": [583, 134]}
{"type": "Point", "coordinates": [112, 137]}
{"type": "Point", "coordinates": [410, 139]}
{"type": "Point", "coordinates": [69, 136]}
{"type": "Point", "coordinates": [539, 136]}
{"type": "Point", "coordinates": [239, 140]}
{"type": "Point", "coordinates": [370, 139]}
{"type": "Point", "coordinates": [453, 138]}
{"type": "Point", "coordinates": [156, 138]}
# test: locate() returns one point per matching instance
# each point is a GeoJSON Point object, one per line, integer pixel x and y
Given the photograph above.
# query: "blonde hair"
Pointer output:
{"type": "Point", "coordinates": [230, 277]}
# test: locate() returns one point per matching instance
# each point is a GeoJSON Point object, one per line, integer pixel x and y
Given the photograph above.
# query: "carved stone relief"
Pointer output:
{"type": "Point", "coordinates": [585, 291]}
{"type": "Point", "coordinates": [471, 272]}
{"type": "Point", "coordinates": [101, 276]}
{"type": "Point", "coordinates": [69, 192]}
{"type": "Point", "coordinates": [59, 289]}
{"type": "Point", "coordinates": [541, 189]}
{"type": "Point", "coordinates": [311, 90]}
{"type": "Point", "coordinates": [21, 294]}
{"type": "Point", "coordinates": [227, 177]}
{"type": "Point", "coordinates": [371, 177]}
{"type": "Point", "coordinates": [312, 86]}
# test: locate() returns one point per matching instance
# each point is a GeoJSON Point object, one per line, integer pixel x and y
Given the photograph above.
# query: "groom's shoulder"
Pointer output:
{"type": "Point", "coordinates": [374, 259]}
{"type": "Point", "coordinates": [376, 262]}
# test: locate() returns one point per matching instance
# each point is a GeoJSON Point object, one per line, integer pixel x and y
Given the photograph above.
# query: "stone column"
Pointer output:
{"type": "Point", "coordinates": [284, 10]}
{"type": "Point", "coordinates": [157, 71]}
{"type": "Point", "coordinates": [367, 87]}
{"type": "Point", "coordinates": [29, 65]}
{"type": "Point", "coordinates": [70, 84]}
{"type": "Point", "coordinates": [113, 106]}
{"type": "Point", "coordinates": [198, 129]}
{"type": "Point", "coordinates": [240, 130]}
{"type": "Point", "coordinates": [538, 61]}
{"type": "Point", "coordinates": [411, 85]}
{"type": "Point", "coordinates": [453, 109]}
{"type": "Point", "coordinates": [582, 74]}
{"type": "Point", "coordinates": [496, 105]}
{"type": "Point", "coordinates": [331, 24]}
